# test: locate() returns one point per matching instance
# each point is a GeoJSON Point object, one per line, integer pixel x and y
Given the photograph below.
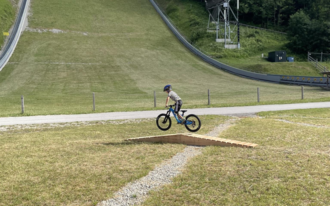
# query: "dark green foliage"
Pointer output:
{"type": "Point", "coordinates": [252, 35]}
{"type": "Point", "coordinates": [276, 13]}
{"type": "Point", "coordinates": [272, 14]}
{"type": "Point", "coordinates": [197, 34]}
{"type": "Point", "coordinates": [171, 9]}
{"type": "Point", "coordinates": [308, 35]}
{"type": "Point", "coordinates": [306, 21]}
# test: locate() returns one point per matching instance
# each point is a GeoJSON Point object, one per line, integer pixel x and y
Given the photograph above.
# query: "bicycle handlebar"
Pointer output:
{"type": "Point", "coordinates": [171, 105]}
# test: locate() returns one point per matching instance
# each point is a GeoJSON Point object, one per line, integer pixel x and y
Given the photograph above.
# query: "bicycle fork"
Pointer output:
{"type": "Point", "coordinates": [167, 117]}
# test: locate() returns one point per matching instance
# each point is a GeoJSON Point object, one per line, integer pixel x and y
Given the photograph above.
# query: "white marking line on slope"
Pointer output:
{"type": "Point", "coordinates": [303, 124]}
{"type": "Point", "coordinates": [57, 63]}
{"type": "Point", "coordinates": [59, 31]}
{"type": "Point", "coordinates": [137, 191]}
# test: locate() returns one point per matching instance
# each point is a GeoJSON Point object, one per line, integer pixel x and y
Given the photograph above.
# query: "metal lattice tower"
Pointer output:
{"type": "Point", "coordinates": [221, 14]}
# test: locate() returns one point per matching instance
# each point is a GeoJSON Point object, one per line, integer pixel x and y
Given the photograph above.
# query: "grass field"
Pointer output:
{"type": "Point", "coordinates": [316, 117]}
{"type": "Point", "coordinates": [289, 167]}
{"type": "Point", "coordinates": [191, 18]}
{"type": "Point", "coordinates": [122, 51]}
{"type": "Point", "coordinates": [80, 165]}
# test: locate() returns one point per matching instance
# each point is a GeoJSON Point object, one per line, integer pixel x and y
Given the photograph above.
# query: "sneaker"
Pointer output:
{"type": "Point", "coordinates": [183, 121]}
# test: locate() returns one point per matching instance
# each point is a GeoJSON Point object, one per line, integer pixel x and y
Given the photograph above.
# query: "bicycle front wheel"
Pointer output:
{"type": "Point", "coordinates": [193, 123]}
{"type": "Point", "coordinates": [163, 122]}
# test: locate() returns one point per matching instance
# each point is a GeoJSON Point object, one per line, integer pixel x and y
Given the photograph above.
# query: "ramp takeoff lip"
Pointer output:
{"type": "Point", "coordinates": [193, 139]}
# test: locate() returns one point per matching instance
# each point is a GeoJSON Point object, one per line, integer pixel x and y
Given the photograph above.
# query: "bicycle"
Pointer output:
{"type": "Point", "coordinates": [164, 122]}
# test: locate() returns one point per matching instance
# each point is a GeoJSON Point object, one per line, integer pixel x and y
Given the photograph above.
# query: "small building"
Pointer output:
{"type": "Point", "coordinates": [277, 56]}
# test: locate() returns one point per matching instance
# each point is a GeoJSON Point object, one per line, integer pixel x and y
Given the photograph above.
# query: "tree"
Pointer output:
{"type": "Point", "coordinates": [298, 32]}
{"type": "Point", "coordinates": [308, 35]}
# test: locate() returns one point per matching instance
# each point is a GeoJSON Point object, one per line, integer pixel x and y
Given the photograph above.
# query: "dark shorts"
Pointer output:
{"type": "Point", "coordinates": [178, 105]}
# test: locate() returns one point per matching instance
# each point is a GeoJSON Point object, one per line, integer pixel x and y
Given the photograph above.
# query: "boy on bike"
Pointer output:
{"type": "Point", "coordinates": [175, 97]}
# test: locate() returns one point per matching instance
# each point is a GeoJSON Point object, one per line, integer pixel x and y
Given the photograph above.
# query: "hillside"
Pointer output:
{"type": "Point", "coordinates": [7, 17]}
{"type": "Point", "coordinates": [122, 51]}
{"type": "Point", "coordinates": [191, 18]}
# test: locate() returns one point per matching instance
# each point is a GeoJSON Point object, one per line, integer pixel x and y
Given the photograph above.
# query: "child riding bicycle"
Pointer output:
{"type": "Point", "coordinates": [175, 97]}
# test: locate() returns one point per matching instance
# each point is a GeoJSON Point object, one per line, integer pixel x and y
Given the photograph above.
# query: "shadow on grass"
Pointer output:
{"type": "Point", "coordinates": [124, 143]}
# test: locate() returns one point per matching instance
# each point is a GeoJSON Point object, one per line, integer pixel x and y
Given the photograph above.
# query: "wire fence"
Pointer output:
{"type": "Point", "coordinates": [252, 27]}
{"type": "Point", "coordinates": [210, 98]}
{"type": "Point", "coordinates": [320, 57]}
{"type": "Point", "coordinates": [313, 59]}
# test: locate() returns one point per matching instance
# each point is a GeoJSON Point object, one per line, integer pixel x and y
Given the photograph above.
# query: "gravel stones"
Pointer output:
{"type": "Point", "coordinates": [135, 192]}
{"type": "Point", "coordinates": [222, 127]}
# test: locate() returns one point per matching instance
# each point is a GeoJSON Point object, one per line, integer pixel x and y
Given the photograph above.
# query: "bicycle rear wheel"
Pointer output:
{"type": "Point", "coordinates": [163, 122]}
{"type": "Point", "coordinates": [193, 123]}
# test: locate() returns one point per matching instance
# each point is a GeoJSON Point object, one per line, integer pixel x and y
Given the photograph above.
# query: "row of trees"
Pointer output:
{"type": "Point", "coordinates": [307, 22]}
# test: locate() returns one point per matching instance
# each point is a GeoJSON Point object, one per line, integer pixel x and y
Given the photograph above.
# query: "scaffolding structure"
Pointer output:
{"type": "Point", "coordinates": [220, 14]}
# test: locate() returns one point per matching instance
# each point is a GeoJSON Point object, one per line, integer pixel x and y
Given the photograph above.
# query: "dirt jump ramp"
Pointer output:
{"type": "Point", "coordinates": [193, 139]}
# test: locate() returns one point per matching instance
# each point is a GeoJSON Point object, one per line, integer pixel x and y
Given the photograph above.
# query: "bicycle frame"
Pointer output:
{"type": "Point", "coordinates": [176, 117]}
{"type": "Point", "coordinates": [169, 113]}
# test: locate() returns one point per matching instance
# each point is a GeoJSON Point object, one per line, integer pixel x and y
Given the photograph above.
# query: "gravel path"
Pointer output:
{"type": "Point", "coordinates": [137, 191]}
{"type": "Point", "coordinates": [222, 127]}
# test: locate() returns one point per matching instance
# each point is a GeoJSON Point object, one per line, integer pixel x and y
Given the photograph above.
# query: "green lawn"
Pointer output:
{"type": "Point", "coordinates": [316, 117]}
{"type": "Point", "coordinates": [289, 167]}
{"type": "Point", "coordinates": [80, 165]}
{"type": "Point", "coordinates": [127, 54]}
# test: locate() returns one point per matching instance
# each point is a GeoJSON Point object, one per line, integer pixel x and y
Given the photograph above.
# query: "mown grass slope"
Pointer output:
{"type": "Point", "coordinates": [7, 17]}
{"type": "Point", "coordinates": [122, 51]}
{"type": "Point", "coordinates": [191, 18]}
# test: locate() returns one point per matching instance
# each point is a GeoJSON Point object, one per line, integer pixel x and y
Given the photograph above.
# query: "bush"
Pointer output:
{"type": "Point", "coordinates": [197, 35]}
{"type": "Point", "coordinates": [171, 9]}
{"type": "Point", "coordinates": [252, 35]}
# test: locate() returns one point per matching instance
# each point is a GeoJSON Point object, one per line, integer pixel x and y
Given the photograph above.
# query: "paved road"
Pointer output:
{"type": "Point", "coordinates": [152, 114]}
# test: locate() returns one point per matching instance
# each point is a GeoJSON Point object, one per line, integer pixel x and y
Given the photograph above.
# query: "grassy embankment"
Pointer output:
{"type": "Point", "coordinates": [80, 165]}
{"type": "Point", "coordinates": [122, 51]}
{"type": "Point", "coordinates": [191, 19]}
{"type": "Point", "coordinates": [7, 17]}
{"type": "Point", "coordinates": [289, 167]}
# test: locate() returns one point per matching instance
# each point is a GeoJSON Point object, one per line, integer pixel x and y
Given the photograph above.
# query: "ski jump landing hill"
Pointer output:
{"type": "Point", "coordinates": [9, 48]}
